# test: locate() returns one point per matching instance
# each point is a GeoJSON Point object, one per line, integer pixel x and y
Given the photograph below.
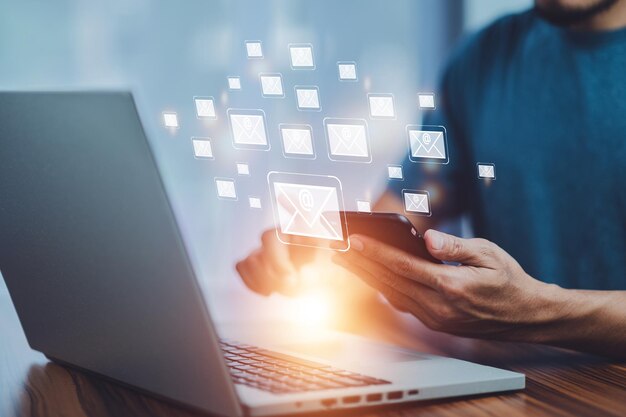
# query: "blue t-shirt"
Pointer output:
{"type": "Point", "coordinates": [547, 106]}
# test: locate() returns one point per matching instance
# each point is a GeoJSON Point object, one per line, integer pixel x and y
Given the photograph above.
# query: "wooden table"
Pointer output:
{"type": "Point", "coordinates": [559, 383]}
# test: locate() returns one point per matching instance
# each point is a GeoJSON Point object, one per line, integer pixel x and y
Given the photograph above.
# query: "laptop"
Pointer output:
{"type": "Point", "coordinates": [101, 280]}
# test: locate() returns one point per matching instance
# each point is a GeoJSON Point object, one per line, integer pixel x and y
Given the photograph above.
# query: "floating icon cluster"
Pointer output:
{"type": "Point", "coordinates": [309, 208]}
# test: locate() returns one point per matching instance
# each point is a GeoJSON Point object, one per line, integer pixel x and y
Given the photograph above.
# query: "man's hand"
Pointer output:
{"type": "Point", "coordinates": [271, 267]}
{"type": "Point", "coordinates": [293, 270]}
{"type": "Point", "coordinates": [487, 295]}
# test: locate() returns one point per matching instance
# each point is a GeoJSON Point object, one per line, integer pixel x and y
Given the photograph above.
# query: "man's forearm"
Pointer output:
{"type": "Point", "coordinates": [591, 321]}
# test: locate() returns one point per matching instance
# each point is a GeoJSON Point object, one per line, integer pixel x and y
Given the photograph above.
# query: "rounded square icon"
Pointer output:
{"type": "Point", "coordinates": [416, 202]}
{"type": "Point", "coordinates": [394, 172]}
{"type": "Point", "coordinates": [308, 98]}
{"type": "Point", "coordinates": [347, 71]}
{"type": "Point", "coordinates": [363, 206]}
{"type": "Point", "coordinates": [381, 106]}
{"type": "Point", "coordinates": [243, 168]}
{"type": "Point", "coordinates": [486, 170]}
{"type": "Point", "coordinates": [254, 202]}
{"type": "Point", "coordinates": [426, 101]}
{"type": "Point", "coordinates": [301, 55]}
{"type": "Point", "coordinates": [170, 119]}
{"type": "Point", "coordinates": [234, 82]}
{"type": "Point", "coordinates": [427, 144]}
{"type": "Point", "coordinates": [254, 49]}
{"type": "Point", "coordinates": [271, 85]}
{"type": "Point", "coordinates": [308, 210]}
{"type": "Point", "coordinates": [347, 140]}
{"type": "Point", "coordinates": [225, 188]}
{"type": "Point", "coordinates": [297, 141]}
{"type": "Point", "coordinates": [202, 148]}
{"type": "Point", "coordinates": [248, 130]}
{"type": "Point", "coordinates": [205, 107]}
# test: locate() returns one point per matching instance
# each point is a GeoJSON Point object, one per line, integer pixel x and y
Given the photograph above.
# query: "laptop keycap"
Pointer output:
{"type": "Point", "coordinates": [282, 374]}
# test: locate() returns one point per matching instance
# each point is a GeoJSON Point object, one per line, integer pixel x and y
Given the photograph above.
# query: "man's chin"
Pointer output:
{"type": "Point", "coordinates": [562, 15]}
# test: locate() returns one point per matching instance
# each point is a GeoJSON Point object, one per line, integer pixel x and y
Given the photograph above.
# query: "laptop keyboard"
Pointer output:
{"type": "Point", "coordinates": [282, 374]}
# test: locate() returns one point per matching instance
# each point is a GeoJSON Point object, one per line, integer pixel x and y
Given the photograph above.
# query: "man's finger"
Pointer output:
{"type": "Point", "coordinates": [445, 247]}
{"type": "Point", "coordinates": [400, 262]}
{"type": "Point", "coordinates": [283, 282]}
{"type": "Point", "coordinates": [396, 298]}
{"type": "Point", "coordinates": [422, 294]}
{"type": "Point", "coordinates": [249, 272]}
{"type": "Point", "coordinates": [279, 261]}
{"type": "Point", "coordinates": [276, 253]}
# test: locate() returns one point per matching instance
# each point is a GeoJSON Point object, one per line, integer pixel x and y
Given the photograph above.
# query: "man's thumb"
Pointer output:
{"type": "Point", "coordinates": [450, 248]}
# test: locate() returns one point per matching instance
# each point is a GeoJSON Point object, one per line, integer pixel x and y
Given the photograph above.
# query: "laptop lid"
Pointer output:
{"type": "Point", "coordinates": [91, 253]}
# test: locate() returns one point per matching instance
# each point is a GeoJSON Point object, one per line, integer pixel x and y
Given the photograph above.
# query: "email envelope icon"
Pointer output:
{"type": "Point", "coordinates": [381, 106]}
{"type": "Point", "coordinates": [427, 145]}
{"type": "Point", "coordinates": [272, 85]}
{"type": "Point", "coordinates": [254, 202]}
{"type": "Point", "coordinates": [234, 83]}
{"type": "Point", "coordinates": [308, 98]}
{"type": "Point", "coordinates": [301, 56]}
{"type": "Point", "coordinates": [254, 49]}
{"type": "Point", "coordinates": [486, 171]}
{"type": "Point", "coordinates": [297, 140]}
{"type": "Point", "coordinates": [205, 107]}
{"type": "Point", "coordinates": [202, 148]}
{"type": "Point", "coordinates": [170, 119]}
{"type": "Point", "coordinates": [248, 129]}
{"type": "Point", "coordinates": [363, 206]}
{"type": "Point", "coordinates": [347, 71]}
{"type": "Point", "coordinates": [243, 168]}
{"type": "Point", "coordinates": [226, 188]}
{"type": "Point", "coordinates": [426, 101]}
{"type": "Point", "coordinates": [348, 140]}
{"type": "Point", "coordinates": [416, 202]}
{"type": "Point", "coordinates": [308, 210]}
{"type": "Point", "coordinates": [394, 172]}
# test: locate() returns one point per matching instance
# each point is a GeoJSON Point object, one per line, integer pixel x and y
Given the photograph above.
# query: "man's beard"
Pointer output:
{"type": "Point", "coordinates": [560, 15]}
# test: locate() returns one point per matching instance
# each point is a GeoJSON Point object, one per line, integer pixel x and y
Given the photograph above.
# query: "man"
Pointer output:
{"type": "Point", "coordinates": [542, 95]}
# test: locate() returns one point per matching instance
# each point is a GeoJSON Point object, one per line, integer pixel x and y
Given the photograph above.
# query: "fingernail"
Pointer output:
{"type": "Point", "coordinates": [356, 244]}
{"type": "Point", "coordinates": [436, 239]}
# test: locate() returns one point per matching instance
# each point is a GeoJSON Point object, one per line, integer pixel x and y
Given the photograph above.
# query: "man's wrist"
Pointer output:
{"type": "Point", "coordinates": [568, 315]}
{"type": "Point", "coordinates": [555, 310]}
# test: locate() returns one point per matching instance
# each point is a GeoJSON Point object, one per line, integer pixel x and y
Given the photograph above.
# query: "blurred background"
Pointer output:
{"type": "Point", "coordinates": [167, 52]}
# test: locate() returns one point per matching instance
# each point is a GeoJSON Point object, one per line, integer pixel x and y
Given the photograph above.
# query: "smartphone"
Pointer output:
{"type": "Point", "coordinates": [391, 228]}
